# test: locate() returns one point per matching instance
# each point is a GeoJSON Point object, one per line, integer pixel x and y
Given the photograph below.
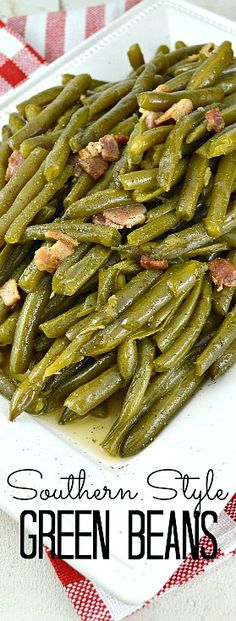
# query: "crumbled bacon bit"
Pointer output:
{"type": "Point", "coordinates": [14, 162]}
{"type": "Point", "coordinates": [193, 58]}
{"type": "Point", "coordinates": [154, 264]}
{"type": "Point", "coordinates": [110, 149]}
{"type": "Point", "coordinates": [176, 112]}
{"type": "Point", "coordinates": [121, 217]}
{"type": "Point", "coordinates": [223, 273]}
{"type": "Point", "coordinates": [214, 120]}
{"type": "Point", "coordinates": [121, 139]}
{"type": "Point", "coordinates": [151, 118]}
{"type": "Point", "coordinates": [59, 236]}
{"type": "Point", "coordinates": [207, 49]}
{"type": "Point", "coordinates": [9, 292]}
{"type": "Point", "coordinates": [94, 166]}
{"type": "Point", "coordinates": [163, 88]}
{"type": "Point", "coordinates": [45, 261]}
{"type": "Point", "coordinates": [48, 259]}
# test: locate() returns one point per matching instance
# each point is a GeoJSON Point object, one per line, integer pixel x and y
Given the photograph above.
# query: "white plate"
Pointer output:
{"type": "Point", "coordinates": [203, 435]}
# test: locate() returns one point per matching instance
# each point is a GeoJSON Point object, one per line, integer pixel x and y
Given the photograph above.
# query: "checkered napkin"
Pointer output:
{"type": "Point", "coordinates": [27, 43]}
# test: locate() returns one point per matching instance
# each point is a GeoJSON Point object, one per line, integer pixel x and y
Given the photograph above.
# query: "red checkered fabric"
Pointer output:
{"type": "Point", "coordinates": [27, 43]}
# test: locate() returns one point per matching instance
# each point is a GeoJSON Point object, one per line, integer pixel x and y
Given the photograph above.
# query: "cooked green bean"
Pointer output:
{"type": "Point", "coordinates": [133, 398]}
{"type": "Point", "coordinates": [154, 100]}
{"type": "Point", "coordinates": [135, 56]}
{"type": "Point", "coordinates": [127, 359]}
{"type": "Point", "coordinates": [84, 232]}
{"type": "Point", "coordinates": [140, 143]}
{"type": "Point", "coordinates": [151, 424]}
{"type": "Point", "coordinates": [229, 116]}
{"type": "Point", "coordinates": [58, 156]}
{"type": "Point", "coordinates": [80, 188]}
{"type": "Point", "coordinates": [209, 71]}
{"type": "Point", "coordinates": [7, 386]}
{"type": "Point", "coordinates": [14, 257]}
{"type": "Point", "coordinates": [17, 182]}
{"type": "Point", "coordinates": [5, 152]}
{"type": "Point", "coordinates": [42, 98]}
{"type": "Point", "coordinates": [7, 329]}
{"type": "Point", "coordinates": [220, 197]}
{"type": "Point", "coordinates": [97, 202]}
{"type": "Point", "coordinates": [223, 338]}
{"type": "Point", "coordinates": [109, 97]}
{"type": "Point", "coordinates": [192, 187]}
{"type": "Point", "coordinates": [93, 393]}
{"type": "Point", "coordinates": [225, 362]}
{"type": "Point", "coordinates": [220, 144]}
{"type": "Point", "coordinates": [20, 223]}
{"type": "Point", "coordinates": [45, 141]}
{"type": "Point", "coordinates": [45, 119]}
{"type": "Point", "coordinates": [78, 274]}
{"type": "Point", "coordinates": [174, 326]}
{"type": "Point", "coordinates": [28, 321]}
{"type": "Point", "coordinates": [59, 325]}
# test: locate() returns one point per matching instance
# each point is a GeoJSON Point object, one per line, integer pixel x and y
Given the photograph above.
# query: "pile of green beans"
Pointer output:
{"type": "Point", "coordinates": [131, 319]}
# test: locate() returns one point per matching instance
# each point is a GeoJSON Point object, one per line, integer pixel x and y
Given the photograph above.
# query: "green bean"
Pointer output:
{"type": "Point", "coordinates": [225, 362]}
{"type": "Point", "coordinates": [209, 252]}
{"type": "Point", "coordinates": [122, 109]}
{"type": "Point", "coordinates": [221, 193]}
{"type": "Point", "coordinates": [28, 321]}
{"type": "Point", "coordinates": [127, 359]}
{"type": "Point", "coordinates": [97, 202]}
{"type": "Point", "coordinates": [168, 204]}
{"type": "Point", "coordinates": [185, 276]}
{"type": "Point", "coordinates": [46, 214]}
{"type": "Point", "coordinates": [7, 386]}
{"type": "Point", "coordinates": [88, 396]}
{"type": "Point", "coordinates": [80, 188]}
{"type": "Point", "coordinates": [220, 144]}
{"type": "Point", "coordinates": [27, 194]}
{"type": "Point", "coordinates": [42, 343]}
{"type": "Point", "coordinates": [151, 424]}
{"type": "Point", "coordinates": [110, 97]}
{"type": "Point", "coordinates": [71, 260]}
{"type": "Point", "coordinates": [45, 119]}
{"type": "Point", "coordinates": [14, 256]}
{"type": "Point", "coordinates": [139, 179]}
{"type": "Point", "coordinates": [58, 304]}
{"type": "Point", "coordinates": [174, 325]}
{"type": "Point", "coordinates": [154, 228]}
{"type": "Point", "coordinates": [223, 338]}
{"type": "Point", "coordinates": [7, 329]}
{"type": "Point", "coordinates": [65, 117]}
{"type": "Point", "coordinates": [229, 116]}
{"type": "Point", "coordinates": [209, 71]}
{"type": "Point", "coordinates": [192, 187]}
{"type": "Point", "coordinates": [71, 381]}
{"type": "Point", "coordinates": [84, 232]}
{"type": "Point", "coordinates": [26, 171]}
{"type": "Point", "coordinates": [177, 55]}
{"type": "Point", "coordinates": [135, 56]}
{"type": "Point", "coordinates": [133, 399]}
{"type": "Point", "coordinates": [31, 111]}
{"type": "Point", "coordinates": [78, 274]}
{"type": "Point", "coordinates": [5, 153]}
{"type": "Point", "coordinates": [173, 147]}
{"type": "Point", "coordinates": [31, 276]}
{"type": "Point", "coordinates": [16, 121]}
{"type": "Point", "coordinates": [42, 98]}
{"type": "Point", "coordinates": [45, 141]}
{"type": "Point", "coordinates": [228, 83]}
{"type": "Point", "coordinates": [4, 311]}
{"type": "Point", "coordinates": [222, 299]}
{"type": "Point", "coordinates": [180, 80]}
{"type": "Point", "coordinates": [142, 196]}
{"type": "Point", "coordinates": [59, 154]}
{"type": "Point", "coordinates": [59, 325]}
{"type": "Point", "coordinates": [35, 380]}
{"type": "Point", "coordinates": [154, 100]}
{"type": "Point", "coordinates": [196, 236]}
{"type": "Point", "coordinates": [20, 223]}
{"type": "Point", "coordinates": [140, 143]}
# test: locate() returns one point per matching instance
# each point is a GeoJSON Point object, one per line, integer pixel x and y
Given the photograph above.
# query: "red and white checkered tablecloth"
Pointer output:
{"type": "Point", "coordinates": [27, 43]}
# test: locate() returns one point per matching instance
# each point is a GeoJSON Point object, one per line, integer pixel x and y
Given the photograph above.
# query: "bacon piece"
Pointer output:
{"type": "Point", "coordinates": [48, 259]}
{"type": "Point", "coordinates": [154, 264]}
{"type": "Point", "coordinates": [214, 120]}
{"type": "Point", "coordinates": [14, 162]}
{"type": "Point", "coordinates": [176, 112]}
{"type": "Point", "coordinates": [94, 166]}
{"type": "Point", "coordinates": [121, 217]}
{"type": "Point", "coordinates": [9, 292]}
{"type": "Point", "coordinates": [121, 139]}
{"type": "Point", "coordinates": [207, 49]}
{"type": "Point", "coordinates": [110, 149]}
{"type": "Point", "coordinates": [59, 236]}
{"type": "Point", "coordinates": [151, 118]}
{"type": "Point", "coordinates": [163, 88]}
{"type": "Point", "coordinates": [223, 273]}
